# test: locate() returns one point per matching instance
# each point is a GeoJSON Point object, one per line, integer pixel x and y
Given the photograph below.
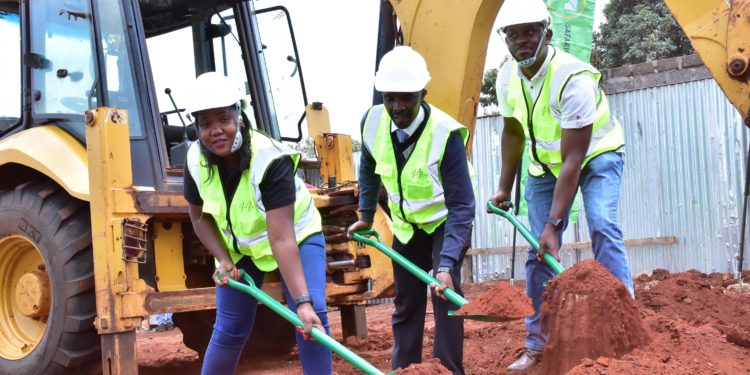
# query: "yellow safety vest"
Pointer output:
{"type": "Point", "coordinates": [543, 131]}
{"type": "Point", "coordinates": [247, 214]}
{"type": "Point", "coordinates": [415, 194]}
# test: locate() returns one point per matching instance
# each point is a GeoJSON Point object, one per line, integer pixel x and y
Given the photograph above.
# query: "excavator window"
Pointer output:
{"type": "Point", "coordinates": [10, 65]}
{"type": "Point", "coordinates": [283, 72]}
{"type": "Point", "coordinates": [227, 54]}
{"type": "Point", "coordinates": [63, 73]}
{"type": "Point", "coordinates": [173, 72]}
{"type": "Point", "coordinates": [63, 64]}
{"type": "Point", "coordinates": [214, 40]}
{"type": "Point", "coordinates": [119, 65]}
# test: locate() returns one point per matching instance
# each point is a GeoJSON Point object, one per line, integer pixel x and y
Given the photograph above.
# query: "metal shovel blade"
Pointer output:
{"type": "Point", "coordinates": [450, 294]}
{"type": "Point", "coordinates": [482, 318]}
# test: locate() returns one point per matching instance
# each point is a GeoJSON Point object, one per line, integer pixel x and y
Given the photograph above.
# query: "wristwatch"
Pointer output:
{"type": "Point", "coordinates": [443, 269]}
{"type": "Point", "coordinates": [303, 299]}
{"type": "Point", "coordinates": [556, 223]}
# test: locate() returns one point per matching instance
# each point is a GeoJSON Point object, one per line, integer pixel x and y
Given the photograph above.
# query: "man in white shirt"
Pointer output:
{"type": "Point", "coordinates": [551, 101]}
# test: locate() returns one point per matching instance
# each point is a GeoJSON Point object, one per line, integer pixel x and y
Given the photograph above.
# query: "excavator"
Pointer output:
{"type": "Point", "coordinates": [94, 231]}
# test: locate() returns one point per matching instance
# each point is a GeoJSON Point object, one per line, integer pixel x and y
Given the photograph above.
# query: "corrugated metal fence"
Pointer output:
{"type": "Point", "coordinates": [684, 174]}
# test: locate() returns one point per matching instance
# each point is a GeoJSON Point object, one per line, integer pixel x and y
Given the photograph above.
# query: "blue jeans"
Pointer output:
{"type": "Point", "coordinates": [600, 187]}
{"type": "Point", "coordinates": [235, 315]}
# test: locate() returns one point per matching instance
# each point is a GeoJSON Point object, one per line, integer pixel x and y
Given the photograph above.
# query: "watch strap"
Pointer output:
{"type": "Point", "coordinates": [305, 298]}
{"type": "Point", "coordinates": [555, 222]}
{"type": "Point", "coordinates": [443, 269]}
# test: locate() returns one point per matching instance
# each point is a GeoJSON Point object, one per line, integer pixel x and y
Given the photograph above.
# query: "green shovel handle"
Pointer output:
{"type": "Point", "coordinates": [291, 317]}
{"type": "Point", "coordinates": [526, 233]}
{"type": "Point", "coordinates": [361, 236]}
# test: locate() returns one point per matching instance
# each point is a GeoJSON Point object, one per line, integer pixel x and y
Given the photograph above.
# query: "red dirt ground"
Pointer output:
{"type": "Point", "coordinates": [694, 327]}
{"type": "Point", "coordinates": [428, 367]}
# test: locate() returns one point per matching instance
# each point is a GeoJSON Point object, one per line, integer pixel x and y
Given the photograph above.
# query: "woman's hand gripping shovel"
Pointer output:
{"type": "Point", "coordinates": [291, 317]}
{"type": "Point", "coordinates": [526, 233]}
{"type": "Point", "coordinates": [451, 295]}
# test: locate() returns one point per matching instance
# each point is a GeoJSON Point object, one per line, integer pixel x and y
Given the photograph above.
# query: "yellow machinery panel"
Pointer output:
{"type": "Point", "coordinates": [452, 35]}
{"type": "Point", "coordinates": [54, 153]}
{"type": "Point", "coordinates": [317, 119]}
{"type": "Point", "coordinates": [118, 238]}
{"type": "Point", "coordinates": [335, 155]}
{"type": "Point", "coordinates": [170, 272]}
{"type": "Point", "coordinates": [381, 269]}
{"type": "Point", "coordinates": [718, 34]}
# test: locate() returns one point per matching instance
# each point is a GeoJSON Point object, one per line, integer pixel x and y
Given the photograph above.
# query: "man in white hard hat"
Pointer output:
{"type": "Point", "coordinates": [551, 101]}
{"type": "Point", "coordinates": [418, 153]}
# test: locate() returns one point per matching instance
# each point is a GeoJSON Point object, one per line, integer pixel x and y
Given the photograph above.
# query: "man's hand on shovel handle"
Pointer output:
{"type": "Point", "coordinates": [446, 281]}
{"type": "Point", "coordinates": [501, 200]}
{"type": "Point", "coordinates": [548, 243]}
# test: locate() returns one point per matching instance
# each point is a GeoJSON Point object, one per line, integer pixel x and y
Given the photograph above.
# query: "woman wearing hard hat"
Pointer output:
{"type": "Point", "coordinates": [553, 99]}
{"type": "Point", "coordinates": [252, 213]}
{"type": "Point", "coordinates": [418, 153]}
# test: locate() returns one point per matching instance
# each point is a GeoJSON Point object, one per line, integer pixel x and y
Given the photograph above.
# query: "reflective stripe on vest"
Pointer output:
{"type": "Point", "coordinates": [299, 225]}
{"type": "Point", "coordinates": [247, 213]}
{"type": "Point", "coordinates": [415, 194]}
{"type": "Point", "coordinates": [546, 144]}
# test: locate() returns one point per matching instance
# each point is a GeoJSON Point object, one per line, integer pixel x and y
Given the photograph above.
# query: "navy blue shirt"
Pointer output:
{"type": "Point", "coordinates": [459, 196]}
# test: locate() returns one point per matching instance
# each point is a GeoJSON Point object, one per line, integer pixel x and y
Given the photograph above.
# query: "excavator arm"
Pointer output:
{"type": "Point", "coordinates": [452, 36]}
{"type": "Point", "coordinates": [720, 34]}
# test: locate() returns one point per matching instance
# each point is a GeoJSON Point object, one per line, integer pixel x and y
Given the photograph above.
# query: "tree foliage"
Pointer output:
{"type": "Point", "coordinates": [637, 31]}
{"type": "Point", "coordinates": [488, 96]}
{"type": "Point", "coordinates": [306, 147]}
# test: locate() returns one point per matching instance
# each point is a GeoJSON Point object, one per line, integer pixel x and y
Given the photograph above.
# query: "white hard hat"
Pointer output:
{"type": "Point", "coordinates": [402, 70]}
{"type": "Point", "coordinates": [517, 12]}
{"type": "Point", "coordinates": [212, 90]}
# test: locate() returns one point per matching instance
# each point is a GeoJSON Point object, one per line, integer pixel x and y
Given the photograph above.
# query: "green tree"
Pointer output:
{"type": "Point", "coordinates": [488, 95]}
{"type": "Point", "coordinates": [637, 31]}
{"type": "Point", "coordinates": [306, 147]}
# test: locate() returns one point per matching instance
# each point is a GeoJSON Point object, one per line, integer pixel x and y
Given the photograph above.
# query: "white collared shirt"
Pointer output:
{"type": "Point", "coordinates": [577, 104]}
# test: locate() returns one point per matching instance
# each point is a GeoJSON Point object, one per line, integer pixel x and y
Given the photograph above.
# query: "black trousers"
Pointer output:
{"type": "Point", "coordinates": [411, 302]}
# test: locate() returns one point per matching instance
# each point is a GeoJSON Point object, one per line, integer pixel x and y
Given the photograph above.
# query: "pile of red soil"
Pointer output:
{"type": "Point", "coordinates": [700, 299]}
{"type": "Point", "coordinates": [430, 367]}
{"type": "Point", "coordinates": [503, 300]}
{"type": "Point", "coordinates": [588, 314]}
{"type": "Point", "coordinates": [676, 348]}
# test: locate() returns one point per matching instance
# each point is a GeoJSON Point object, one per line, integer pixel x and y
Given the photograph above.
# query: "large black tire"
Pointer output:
{"type": "Point", "coordinates": [60, 228]}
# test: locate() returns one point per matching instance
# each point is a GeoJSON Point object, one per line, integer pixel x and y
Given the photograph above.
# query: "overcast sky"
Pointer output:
{"type": "Point", "coordinates": [336, 41]}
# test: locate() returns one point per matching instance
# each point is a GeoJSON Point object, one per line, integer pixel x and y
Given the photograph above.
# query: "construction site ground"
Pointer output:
{"type": "Point", "coordinates": [696, 324]}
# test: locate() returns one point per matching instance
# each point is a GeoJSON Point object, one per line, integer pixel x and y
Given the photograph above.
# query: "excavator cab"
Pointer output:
{"type": "Point", "coordinates": [64, 306]}
{"type": "Point", "coordinates": [75, 55]}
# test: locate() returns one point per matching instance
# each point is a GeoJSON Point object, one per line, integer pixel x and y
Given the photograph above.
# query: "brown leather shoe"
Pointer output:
{"type": "Point", "coordinates": [527, 360]}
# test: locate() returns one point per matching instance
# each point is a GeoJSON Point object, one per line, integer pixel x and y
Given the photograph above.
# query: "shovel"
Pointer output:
{"type": "Point", "coordinates": [450, 294]}
{"type": "Point", "coordinates": [316, 333]}
{"type": "Point", "coordinates": [526, 233]}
